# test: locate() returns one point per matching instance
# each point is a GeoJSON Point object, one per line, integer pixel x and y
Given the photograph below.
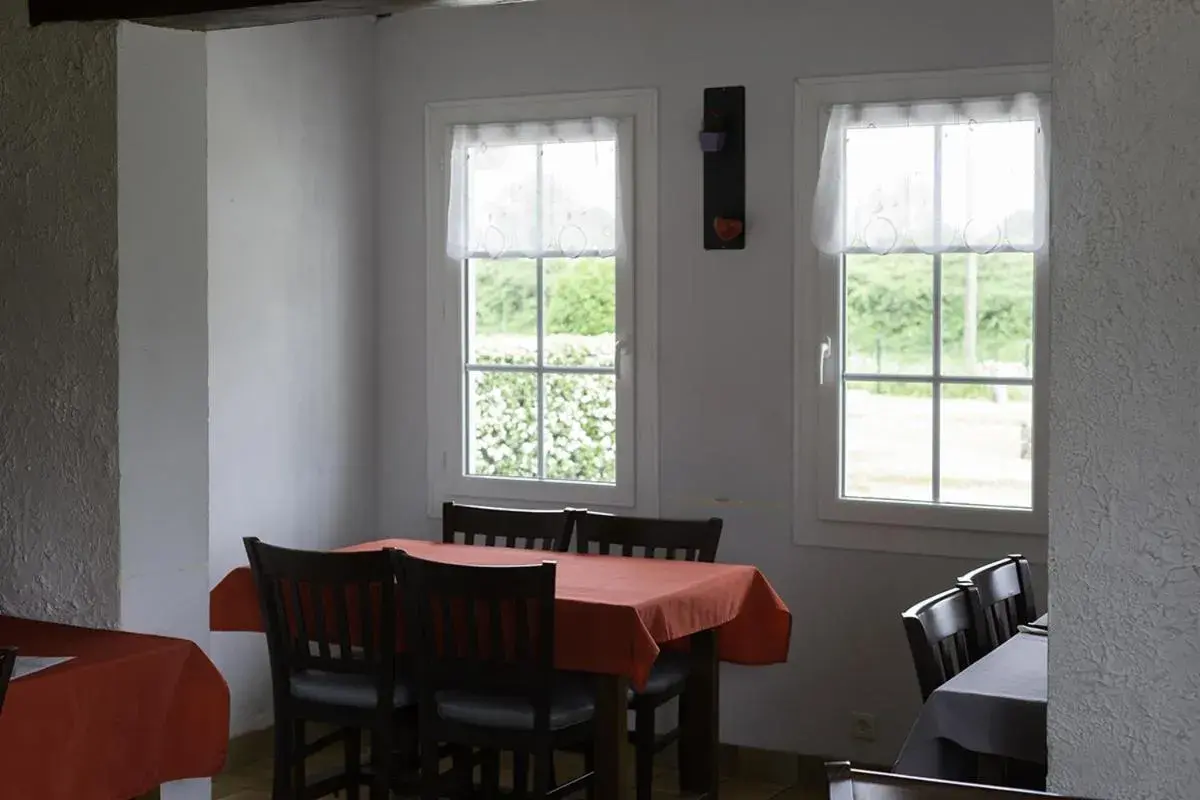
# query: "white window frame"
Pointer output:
{"type": "Point", "coordinates": [817, 303]}
{"type": "Point", "coordinates": [636, 488]}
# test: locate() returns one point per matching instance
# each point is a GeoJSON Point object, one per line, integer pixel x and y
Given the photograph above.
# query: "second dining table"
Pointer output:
{"type": "Point", "coordinates": [613, 615]}
{"type": "Point", "coordinates": [995, 707]}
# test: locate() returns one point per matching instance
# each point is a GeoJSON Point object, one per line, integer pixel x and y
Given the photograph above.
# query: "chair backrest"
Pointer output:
{"type": "Point", "coordinates": [483, 629]}
{"type": "Point", "coordinates": [846, 783]}
{"type": "Point", "coordinates": [334, 612]}
{"type": "Point", "coordinates": [1004, 595]}
{"type": "Point", "coordinates": [675, 539]}
{"type": "Point", "coordinates": [8, 660]}
{"type": "Point", "coordinates": [507, 527]}
{"type": "Point", "coordinates": [942, 637]}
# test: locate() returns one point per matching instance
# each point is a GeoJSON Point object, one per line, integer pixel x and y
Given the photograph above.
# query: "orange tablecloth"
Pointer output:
{"type": "Point", "coordinates": [129, 712]}
{"type": "Point", "coordinates": [612, 612]}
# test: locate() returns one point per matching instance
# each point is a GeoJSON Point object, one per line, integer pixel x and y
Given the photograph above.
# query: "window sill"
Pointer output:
{"type": "Point", "coordinates": [969, 534]}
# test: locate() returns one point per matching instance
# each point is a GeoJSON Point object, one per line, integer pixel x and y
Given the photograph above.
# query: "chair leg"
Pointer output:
{"type": "Point", "coordinates": [520, 773]}
{"type": "Point", "coordinates": [381, 762]}
{"type": "Point", "coordinates": [543, 764]}
{"type": "Point", "coordinates": [643, 748]}
{"type": "Point", "coordinates": [430, 768]}
{"type": "Point", "coordinates": [589, 766]}
{"type": "Point", "coordinates": [353, 744]}
{"type": "Point", "coordinates": [490, 773]}
{"type": "Point", "coordinates": [299, 779]}
{"type": "Point", "coordinates": [281, 785]}
{"type": "Point", "coordinates": [462, 772]}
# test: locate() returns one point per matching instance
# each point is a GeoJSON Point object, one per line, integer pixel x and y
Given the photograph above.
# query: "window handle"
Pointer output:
{"type": "Point", "coordinates": [623, 344]}
{"type": "Point", "coordinates": [825, 351]}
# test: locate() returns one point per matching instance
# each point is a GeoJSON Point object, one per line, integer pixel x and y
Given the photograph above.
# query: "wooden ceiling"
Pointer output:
{"type": "Point", "coordinates": [205, 15]}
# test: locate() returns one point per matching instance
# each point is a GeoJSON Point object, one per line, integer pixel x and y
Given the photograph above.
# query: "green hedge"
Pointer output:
{"type": "Point", "coordinates": [580, 414]}
{"type": "Point", "coordinates": [889, 306]}
{"type": "Point", "coordinates": [580, 296]}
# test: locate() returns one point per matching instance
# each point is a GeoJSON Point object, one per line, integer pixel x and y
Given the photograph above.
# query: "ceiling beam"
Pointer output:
{"type": "Point", "coordinates": [218, 14]}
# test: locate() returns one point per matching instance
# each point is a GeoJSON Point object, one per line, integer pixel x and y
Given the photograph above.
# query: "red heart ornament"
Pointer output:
{"type": "Point", "coordinates": [727, 229]}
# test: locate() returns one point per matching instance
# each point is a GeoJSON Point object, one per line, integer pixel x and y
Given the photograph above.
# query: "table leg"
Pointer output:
{"type": "Point", "coordinates": [612, 734]}
{"type": "Point", "coordinates": [698, 719]}
{"type": "Point", "coordinates": [194, 789]}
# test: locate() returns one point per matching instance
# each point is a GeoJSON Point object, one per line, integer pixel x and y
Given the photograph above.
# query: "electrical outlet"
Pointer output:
{"type": "Point", "coordinates": [862, 726]}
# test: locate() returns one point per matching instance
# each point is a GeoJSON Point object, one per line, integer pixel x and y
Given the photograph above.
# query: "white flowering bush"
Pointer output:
{"type": "Point", "coordinates": [580, 412]}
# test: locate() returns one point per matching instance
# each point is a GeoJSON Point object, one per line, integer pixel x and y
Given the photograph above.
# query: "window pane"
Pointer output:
{"type": "Point", "coordinates": [502, 312]}
{"type": "Point", "coordinates": [888, 441]}
{"type": "Point", "coordinates": [889, 314]}
{"type": "Point", "coordinates": [579, 204]}
{"type": "Point", "coordinates": [581, 427]}
{"type": "Point", "coordinates": [502, 198]}
{"type": "Point", "coordinates": [987, 314]}
{"type": "Point", "coordinates": [502, 435]}
{"type": "Point", "coordinates": [987, 446]}
{"type": "Point", "coordinates": [581, 311]}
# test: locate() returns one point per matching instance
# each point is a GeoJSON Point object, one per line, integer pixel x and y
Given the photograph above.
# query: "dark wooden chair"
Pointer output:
{"type": "Point", "coordinates": [846, 783]}
{"type": "Point", "coordinates": [685, 540]}
{"type": "Point", "coordinates": [331, 621]}
{"type": "Point", "coordinates": [507, 527]}
{"type": "Point", "coordinates": [8, 660]}
{"type": "Point", "coordinates": [1003, 593]}
{"type": "Point", "coordinates": [483, 644]}
{"type": "Point", "coordinates": [942, 637]}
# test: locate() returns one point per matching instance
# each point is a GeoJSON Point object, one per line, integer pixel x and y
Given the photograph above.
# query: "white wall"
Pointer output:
{"type": "Point", "coordinates": [58, 321]}
{"type": "Point", "coordinates": [291, 305]}
{"type": "Point", "coordinates": [162, 317]}
{"type": "Point", "coordinates": [1125, 657]}
{"type": "Point", "coordinates": [726, 321]}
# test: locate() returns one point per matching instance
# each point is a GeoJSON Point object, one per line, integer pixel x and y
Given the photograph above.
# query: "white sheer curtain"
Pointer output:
{"type": "Point", "coordinates": [934, 177]}
{"type": "Point", "coordinates": [535, 189]}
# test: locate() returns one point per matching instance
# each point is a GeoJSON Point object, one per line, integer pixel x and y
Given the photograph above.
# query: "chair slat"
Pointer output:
{"type": "Point", "coordinates": [471, 631]}
{"type": "Point", "coordinates": [317, 600]}
{"type": "Point", "coordinates": [342, 615]}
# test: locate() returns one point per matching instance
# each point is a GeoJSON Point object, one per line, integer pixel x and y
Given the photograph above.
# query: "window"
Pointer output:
{"type": "Point", "coordinates": [542, 251]}
{"type": "Point", "coordinates": [928, 236]}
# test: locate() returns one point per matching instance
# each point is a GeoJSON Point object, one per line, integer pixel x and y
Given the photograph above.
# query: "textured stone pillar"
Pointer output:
{"type": "Point", "coordinates": [59, 516]}
{"type": "Point", "coordinates": [1124, 718]}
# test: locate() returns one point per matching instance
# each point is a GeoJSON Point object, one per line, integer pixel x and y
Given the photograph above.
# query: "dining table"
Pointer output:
{"type": "Point", "coordinates": [613, 616]}
{"type": "Point", "coordinates": [994, 707]}
{"type": "Point", "coordinates": [122, 715]}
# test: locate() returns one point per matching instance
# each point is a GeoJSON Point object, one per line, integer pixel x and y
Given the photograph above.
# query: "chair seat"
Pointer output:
{"type": "Point", "coordinates": [670, 671]}
{"type": "Point", "coordinates": [351, 691]}
{"type": "Point", "coordinates": [573, 702]}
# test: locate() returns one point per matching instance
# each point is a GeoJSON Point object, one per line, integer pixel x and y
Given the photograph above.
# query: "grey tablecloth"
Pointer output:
{"type": "Point", "coordinates": [997, 706]}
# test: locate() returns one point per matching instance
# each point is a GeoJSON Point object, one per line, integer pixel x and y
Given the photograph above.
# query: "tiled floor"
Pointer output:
{"type": "Point", "coordinates": [253, 782]}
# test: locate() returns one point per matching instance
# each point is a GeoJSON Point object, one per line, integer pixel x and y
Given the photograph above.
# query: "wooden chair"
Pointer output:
{"type": "Point", "coordinates": [854, 784]}
{"type": "Point", "coordinates": [331, 622]}
{"type": "Point", "coordinates": [8, 660]}
{"type": "Point", "coordinates": [676, 539]}
{"type": "Point", "coordinates": [1003, 592]}
{"type": "Point", "coordinates": [483, 643]}
{"type": "Point", "coordinates": [507, 527]}
{"type": "Point", "coordinates": [942, 637]}
{"type": "Point", "coordinates": [688, 540]}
